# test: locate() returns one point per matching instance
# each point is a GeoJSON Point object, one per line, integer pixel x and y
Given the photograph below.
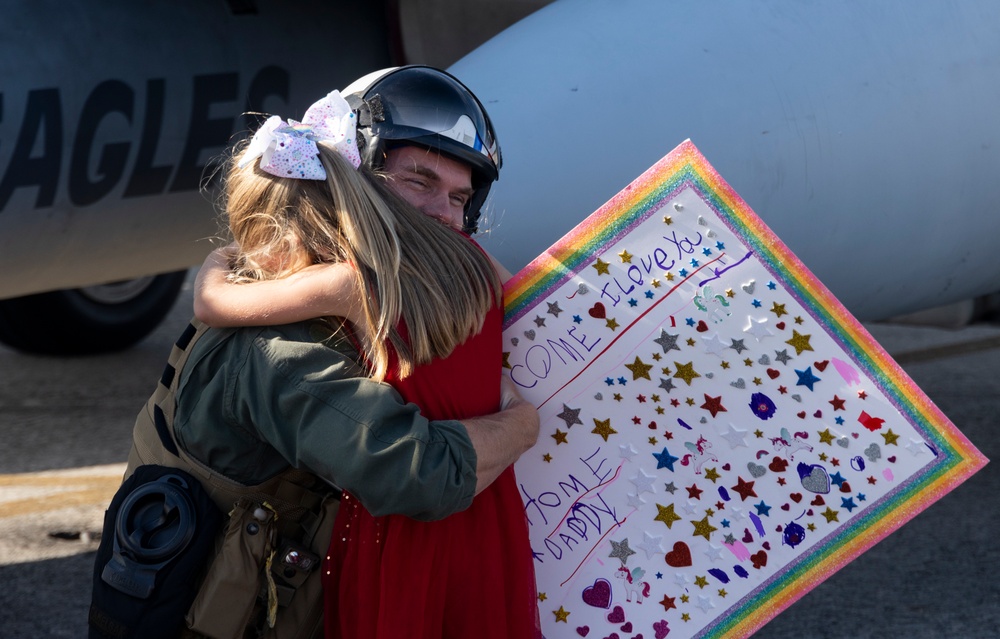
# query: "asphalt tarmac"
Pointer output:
{"type": "Point", "coordinates": [66, 427]}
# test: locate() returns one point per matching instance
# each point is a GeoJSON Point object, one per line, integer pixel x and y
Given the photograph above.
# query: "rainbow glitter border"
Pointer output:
{"type": "Point", "coordinates": [957, 459]}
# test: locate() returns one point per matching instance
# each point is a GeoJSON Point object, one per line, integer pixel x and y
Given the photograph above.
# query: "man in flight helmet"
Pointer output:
{"type": "Point", "coordinates": [431, 134]}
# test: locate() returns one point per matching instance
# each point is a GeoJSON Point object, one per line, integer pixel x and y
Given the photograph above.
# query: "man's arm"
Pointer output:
{"type": "Point", "coordinates": [501, 438]}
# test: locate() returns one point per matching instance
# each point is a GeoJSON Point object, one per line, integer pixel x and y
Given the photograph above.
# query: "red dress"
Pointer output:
{"type": "Point", "coordinates": [468, 575]}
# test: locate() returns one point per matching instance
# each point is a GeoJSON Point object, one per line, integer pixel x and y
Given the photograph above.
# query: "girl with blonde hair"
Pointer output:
{"type": "Point", "coordinates": [314, 235]}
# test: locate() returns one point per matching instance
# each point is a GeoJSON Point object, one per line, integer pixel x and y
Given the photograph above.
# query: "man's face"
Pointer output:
{"type": "Point", "coordinates": [436, 184]}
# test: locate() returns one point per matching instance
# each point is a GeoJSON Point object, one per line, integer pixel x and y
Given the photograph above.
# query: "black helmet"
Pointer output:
{"type": "Point", "coordinates": [428, 107]}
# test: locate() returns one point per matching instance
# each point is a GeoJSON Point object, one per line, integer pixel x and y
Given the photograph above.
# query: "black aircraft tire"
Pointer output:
{"type": "Point", "coordinates": [90, 320]}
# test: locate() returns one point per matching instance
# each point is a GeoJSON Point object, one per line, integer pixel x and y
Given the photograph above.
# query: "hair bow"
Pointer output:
{"type": "Point", "coordinates": [288, 149]}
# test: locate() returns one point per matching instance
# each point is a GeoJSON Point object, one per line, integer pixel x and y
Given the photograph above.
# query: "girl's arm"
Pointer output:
{"type": "Point", "coordinates": [315, 291]}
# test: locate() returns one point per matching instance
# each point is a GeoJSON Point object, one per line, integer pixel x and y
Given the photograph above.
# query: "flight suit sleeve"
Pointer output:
{"type": "Point", "coordinates": [305, 400]}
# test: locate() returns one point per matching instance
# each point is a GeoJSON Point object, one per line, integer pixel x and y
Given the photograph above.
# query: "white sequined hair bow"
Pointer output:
{"type": "Point", "coordinates": [288, 149]}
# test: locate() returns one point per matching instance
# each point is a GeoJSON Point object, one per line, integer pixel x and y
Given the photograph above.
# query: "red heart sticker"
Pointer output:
{"type": "Point", "coordinates": [597, 311]}
{"type": "Point", "coordinates": [845, 487]}
{"type": "Point", "coordinates": [781, 326]}
{"type": "Point", "coordinates": [821, 366]}
{"type": "Point", "coordinates": [680, 556]}
{"type": "Point", "coordinates": [802, 414]}
{"type": "Point", "coordinates": [818, 501]}
{"type": "Point", "coordinates": [796, 497]}
{"type": "Point", "coordinates": [759, 559]}
{"type": "Point", "coordinates": [772, 373]}
{"type": "Point", "coordinates": [702, 326]}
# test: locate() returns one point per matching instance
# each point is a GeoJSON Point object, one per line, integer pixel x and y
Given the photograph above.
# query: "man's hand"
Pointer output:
{"type": "Point", "coordinates": [501, 438]}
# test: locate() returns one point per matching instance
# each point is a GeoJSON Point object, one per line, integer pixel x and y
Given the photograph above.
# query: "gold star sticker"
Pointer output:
{"type": "Point", "coordinates": [825, 436]}
{"type": "Point", "coordinates": [652, 440]}
{"type": "Point", "coordinates": [811, 526]}
{"type": "Point", "coordinates": [560, 437]}
{"type": "Point", "coordinates": [506, 359]}
{"type": "Point", "coordinates": [890, 437]}
{"type": "Point", "coordinates": [685, 616]}
{"type": "Point", "coordinates": [655, 283]}
{"type": "Point", "coordinates": [690, 341]}
{"type": "Point", "coordinates": [603, 428]}
{"type": "Point", "coordinates": [685, 598]}
{"type": "Point", "coordinates": [758, 433]}
{"type": "Point", "coordinates": [612, 323]}
{"type": "Point", "coordinates": [748, 362]}
{"type": "Point", "coordinates": [542, 596]}
{"type": "Point", "coordinates": [711, 474]}
{"type": "Point", "coordinates": [725, 365]}
{"type": "Point", "coordinates": [730, 293]}
{"type": "Point", "coordinates": [626, 257]}
{"type": "Point", "coordinates": [659, 410]}
{"type": "Point", "coordinates": [689, 401]}
{"type": "Point", "coordinates": [639, 369]}
{"type": "Point", "coordinates": [800, 342]}
{"type": "Point", "coordinates": [831, 515]}
{"type": "Point", "coordinates": [723, 593]}
{"type": "Point", "coordinates": [601, 266]}
{"type": "Point", "coordinates": [757, 381]}
{"type": "Point", "coordinates": [547, 457]}
{"type": "Point", "coordinates": [666, 515]}
{"type": "Point", "coordinates": [686, 372]}
{"type": "Point", "coordinates": [668, 220]}
{"type": "Point", "coordinates": [561, 615]}
{"type": "Point", "coordinates": [700, 581]}
{"type": "Point", "coordinates": [778, 309]}
{"type": "Point", "coordinates": [798, 320]}
{"type": "Point", "coordinates": [669, 276]}
{"type": "Point", "coordinates": [703, 528]}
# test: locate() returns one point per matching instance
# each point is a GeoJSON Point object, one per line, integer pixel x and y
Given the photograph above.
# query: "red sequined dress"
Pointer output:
{"type": "Point", "coordinates": [469, 575]}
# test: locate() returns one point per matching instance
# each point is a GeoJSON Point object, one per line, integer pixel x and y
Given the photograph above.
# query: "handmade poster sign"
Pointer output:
{"type": "Point", "coordinates": [718, 433]}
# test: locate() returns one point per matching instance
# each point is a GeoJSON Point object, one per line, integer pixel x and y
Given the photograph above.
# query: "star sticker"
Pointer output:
{"type": "Point", "coordinates": [837, 479]}
{"type": "Point", "coordinates": [700, 581]}
{"type": "Point", "coordinates": [601, 266]}
{"type": "Point", "coordinates": [686, 372]}
{"type": "Point", "coordinates": [744, 488]}
{"type": "Point", "coordinates": [669, 487]}
{"type": "Point", "coordinates": [665, 460]}
{"type": "Point", "coordinates": [694, 492]}
{"type": "Point", "coordinates": [650, 545]}
{"type": "Point", "coordinates": [547, 458]}
{"type": "Point", "coordinates": [506, 360]}
{"type": "Point", "coordinates": [643, 482]}
{"type": "Point", "coordinates": [570, 416]}
{"type": "Point", "coordinates": [714, 552]}
{"type": "Point", "coordinates": [626, 257]}
{"type": "Point", "coordinates": [713, 345]}
{"type": "Point", "coordinates": [560, 437]}
{"type": "Point", "coordinates": [542, 596]}
{"type": "Point", "coordinates": [639, 369]}
{"type": "Point", "coordinates": [539, 321]}
{"type": "Point", "coordinates": [848, 503]}
{"type": "Point", "coordinates": [603, 428]}
{"type": "Point", "coordinates": [837, 403]}
{"type": "Point", "coordinates": [778, 309]}
{"type": "Point", "coordinates": [711, 475]}
{"type": "Point", "coordinates": [917, 446]}
{"type": "Point", "coordinates": [714, 405]}
{"type": "Point", "coordinates": [735, 437]}
{"type": "Point", "coordinates": [758, 328]}
{"type": "Point", "coordinates": [705, 603]}
{"type": "Point", "coordinates": [621, 550]}
{"type": "Point", "coordinates": [577, 319]}
{"type": "Point", "coordinates": [830, 515]}
{"type": "Point", "coordinates": [561, 615]}
{"type": "Point", "coordinates": [762, 509]}
{"type": "Point", "coordinates": [666, 514]}
{"type": "Point", "coordinates": [667, 341]}
{"type": "Point", "coordinates": [806, 378]}
{"type": "Point", "coordinates": [668, 220]}
{"type": "Point", "coordinates": [825, 436]}
{"type": "Point", "coordinates": [799, 342]}
{"type": "Point", "coordinates": [890, 437]}
{"type": "Point", "coordinates": [625, 451]}
{"type": "Point", "coordinates": [668, 603]}
{"type": "Point", "coordinates": [782, 356]}
{"type": "Point", "coordinates": [703, 529]}
{"type": "Point", "coordinates": [737, 345]}
{"type": "Point", "coordinates": [611, 323]}
{"type": "Point", "coordinates": [666, 384]}
{"type": "Point", "coordinates": [554, 308]}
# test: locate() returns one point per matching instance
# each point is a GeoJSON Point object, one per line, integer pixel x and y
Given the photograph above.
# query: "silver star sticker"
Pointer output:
{"type": "Point", "coordinates": [667, 341]}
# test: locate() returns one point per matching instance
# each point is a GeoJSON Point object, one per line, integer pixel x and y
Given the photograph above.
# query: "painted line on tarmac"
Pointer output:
{"type": "Point", "coordinates": [948, 350]}
{"type": "Point", "coordinates": [46, 491]}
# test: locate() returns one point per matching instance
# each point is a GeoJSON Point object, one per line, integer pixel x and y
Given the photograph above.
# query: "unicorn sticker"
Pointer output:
{"type": "Point", "coordinates": [632, 584]}
{"type": "Point", "coordinates": [699, 454]}
{"type": "Point", "coordinates": [715, 305]}
{"type": "Point", "coordinates": [790, 444]}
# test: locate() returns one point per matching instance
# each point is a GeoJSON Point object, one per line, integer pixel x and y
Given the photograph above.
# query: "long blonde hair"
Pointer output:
{"type": "Point", "coordinates": [409, 266]}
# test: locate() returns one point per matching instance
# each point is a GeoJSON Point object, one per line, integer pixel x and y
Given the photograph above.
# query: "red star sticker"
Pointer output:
{"type": "Point", "coordinates": [744, 488]}
{"type": "Point", "coordinates": [872, 481]}
{"type": "Point", "coordinates": [642, 399]}
{"type": "Point", "coordinates": [668, 435]}
{"type": "Point", "coordinates": [782, 390]}
{"type": "Point", "coordinates": [694, 492]}
{"type": "Point", "coordinates": [862, 394]}
{"type": "Point", "coordinates": [674, 402]}
{"type": "Point", "coordinates": [781, 481]}
{"type": "Point", "coordinates": [838, 404]}
{"type": "Point", "coordinates": [714, 405]}
{"type": "Point", "coordinates": [719, 505]}
{"type": "Point", "coordinates": [667, 603]}
{"type": "Point", "coordinates": [636, 420]}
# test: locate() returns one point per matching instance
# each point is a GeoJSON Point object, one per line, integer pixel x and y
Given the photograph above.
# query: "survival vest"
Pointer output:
{"type": "Point", "coordinates": [262, 578]}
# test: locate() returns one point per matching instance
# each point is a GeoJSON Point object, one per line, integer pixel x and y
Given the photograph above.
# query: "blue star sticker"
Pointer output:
{"type": "Point", "coordinates": [806, 378]}
{"type": "Point", "coordinates": [762, 508]}
{"type": "Point", "coordinates": [772, 285]}
{"type": "Point", "coordinates": [720, 246]}
{"type": "Point", "coordinates": [706, 251]}
{"type": "Point", "coordinates": [649, 295]}
{"type": "Point", "coordinates": [725, 523]}
{"type": "Point", "coordinates": [665, 460]}
{"type": "Point", "coordinates": [836, 478]}
{"type": "Point", "coordinates": [756, 303]}
{"type": "Point", "coordinates": [689, 321]}
{"type": "Point", "coordinates": [633, 302]}
{"type": "Point", "coordinates": [577, 319]}
{"type": "Point", "coordinates": [848, 503]}
{"type": "Point", "coordinates": [683, 272]}
{"type": "Point", "coordinates": [609, 381]}
{"type": "Point", "coordinates": [621, 380]}
{"type": "Point", "coordinates": [694, 263]}
{"type": "Point", "coordinates": [839, 420]}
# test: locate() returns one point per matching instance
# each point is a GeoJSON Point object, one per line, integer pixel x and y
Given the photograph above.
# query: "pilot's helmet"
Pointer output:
{"type": "Point", "coordinates": [428, 107]}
